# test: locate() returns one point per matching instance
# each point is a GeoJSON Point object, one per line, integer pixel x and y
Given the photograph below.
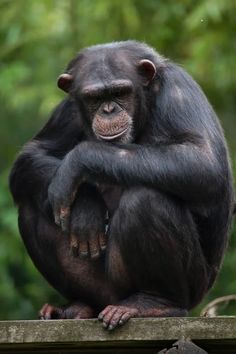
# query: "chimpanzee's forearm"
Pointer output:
{"type": "Point", "coordinates": [186, 170]}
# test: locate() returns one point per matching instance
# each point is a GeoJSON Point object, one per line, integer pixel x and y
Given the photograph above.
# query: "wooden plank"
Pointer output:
{"type": "Point", "coordinates": [146, 335]}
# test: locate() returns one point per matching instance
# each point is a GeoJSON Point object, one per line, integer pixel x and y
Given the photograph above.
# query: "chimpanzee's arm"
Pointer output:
{"type": "Point", "coordinates": [32, 172]}
{"type": "Point", "coordinates": [35, 166]}
{"type": "Point", "coordinates": [186, 170]}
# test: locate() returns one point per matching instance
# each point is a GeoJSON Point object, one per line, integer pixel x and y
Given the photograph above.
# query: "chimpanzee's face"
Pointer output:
{"type": "Point", "coordinates": [107, 86]}
{"type": "Point", "coordinates": [110, 108]}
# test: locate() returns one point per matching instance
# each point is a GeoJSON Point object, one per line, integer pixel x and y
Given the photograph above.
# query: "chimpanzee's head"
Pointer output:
{"type": "Point", "coordinates": [111, 84]}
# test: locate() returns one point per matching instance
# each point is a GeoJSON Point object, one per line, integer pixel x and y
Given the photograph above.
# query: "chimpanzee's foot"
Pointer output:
{"type": "Point", "coordinates": [76, 310]}
{"type": "Point", "coordinates": [116, 315]}
{"type": "Point", "coordinates": [139, 305]}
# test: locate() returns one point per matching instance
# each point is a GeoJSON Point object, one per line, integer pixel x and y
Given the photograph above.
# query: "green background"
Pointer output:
{"type": "Point", "coordinates": [39, 37]}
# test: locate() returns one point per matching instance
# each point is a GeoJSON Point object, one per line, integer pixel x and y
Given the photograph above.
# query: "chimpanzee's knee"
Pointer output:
{"type": "Point", "coordinates": [154, 244]}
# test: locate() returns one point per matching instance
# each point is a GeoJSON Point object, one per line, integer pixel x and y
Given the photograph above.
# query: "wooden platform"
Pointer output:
{"type": "Point", "coordinates": [214, 335]}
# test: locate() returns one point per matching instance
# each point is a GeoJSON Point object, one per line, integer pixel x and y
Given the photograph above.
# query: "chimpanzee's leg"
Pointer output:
{"type": "Point", "coordinates": [155, 255]}
{"type": "Point", "coordinates": [82, 281]}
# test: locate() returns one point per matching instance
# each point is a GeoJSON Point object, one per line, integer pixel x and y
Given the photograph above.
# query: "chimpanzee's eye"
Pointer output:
{"type": "Point", "coordinates": [120, 94]}
{"type": "Point", "coordinates": [92, 100]}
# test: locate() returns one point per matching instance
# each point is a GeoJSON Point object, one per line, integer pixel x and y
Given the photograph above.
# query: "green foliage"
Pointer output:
{"type": "Point", "coordinates": [38, 38]}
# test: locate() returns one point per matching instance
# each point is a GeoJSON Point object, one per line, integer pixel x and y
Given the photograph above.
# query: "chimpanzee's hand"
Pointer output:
{"type": "Point", "coordinates": [87, 223]}
{"type": "Point", "coordinates": [62, 191]}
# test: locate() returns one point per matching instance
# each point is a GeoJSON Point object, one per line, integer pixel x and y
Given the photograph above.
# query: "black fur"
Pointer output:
{"type": "Point", "coordinates": [168, 190]}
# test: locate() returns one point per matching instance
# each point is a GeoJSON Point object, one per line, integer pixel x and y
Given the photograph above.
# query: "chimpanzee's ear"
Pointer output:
{"type": "Point", "coordinates": [64, 82]}
{"type": "Point", "coordinates": [148, 70]}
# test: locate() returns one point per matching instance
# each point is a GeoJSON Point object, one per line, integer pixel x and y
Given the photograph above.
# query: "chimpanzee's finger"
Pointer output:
{"type": "Point", "coordinates": [83, 249]}
{"type": "Point", "coordinates": [74, 244]}
{"type": "Point", "coordinates": [49, 312]}
{"type": "Point", "coordinates": [94, 248]}
{"type": "Point", "coordinates": [65, 218]}
{"type": "Point", "coordinates": [102, 241]}
{"type": "Point", "coordinates": [56, 212]}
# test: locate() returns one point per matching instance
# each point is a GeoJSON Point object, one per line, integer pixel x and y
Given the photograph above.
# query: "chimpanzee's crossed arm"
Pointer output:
{"type": "Point", "coordinates": [185, 170]}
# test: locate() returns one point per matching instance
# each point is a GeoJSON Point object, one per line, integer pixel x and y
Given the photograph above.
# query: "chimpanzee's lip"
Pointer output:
{"type": "Point", "coordinates": [112, 137]}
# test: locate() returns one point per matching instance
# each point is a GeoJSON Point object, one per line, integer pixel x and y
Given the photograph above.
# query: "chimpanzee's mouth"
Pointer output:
{"type": "Point", "coordinates": [114, 136]}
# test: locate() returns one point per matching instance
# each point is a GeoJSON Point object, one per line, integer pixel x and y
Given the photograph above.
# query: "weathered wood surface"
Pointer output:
{"type": "Point", "coordinates": [215, 335]}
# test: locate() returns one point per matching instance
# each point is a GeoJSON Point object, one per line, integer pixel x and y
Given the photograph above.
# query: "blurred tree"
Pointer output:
{"type": "Point", "coordinates": [38, 38]}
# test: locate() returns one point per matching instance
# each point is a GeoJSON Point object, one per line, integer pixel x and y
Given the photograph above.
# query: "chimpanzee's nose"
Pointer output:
{"type": "Point", "coordinates": [109, 108]}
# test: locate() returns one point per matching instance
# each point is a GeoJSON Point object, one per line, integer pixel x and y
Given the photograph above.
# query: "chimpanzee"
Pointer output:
{"type": "Point", "coordinates": [125, 196]}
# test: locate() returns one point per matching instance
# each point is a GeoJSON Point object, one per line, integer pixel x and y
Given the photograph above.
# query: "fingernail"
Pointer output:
{"type": "Point", "coordinates": [100, 317]}
{"type": "Point", "coordinates": [105, 324]}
